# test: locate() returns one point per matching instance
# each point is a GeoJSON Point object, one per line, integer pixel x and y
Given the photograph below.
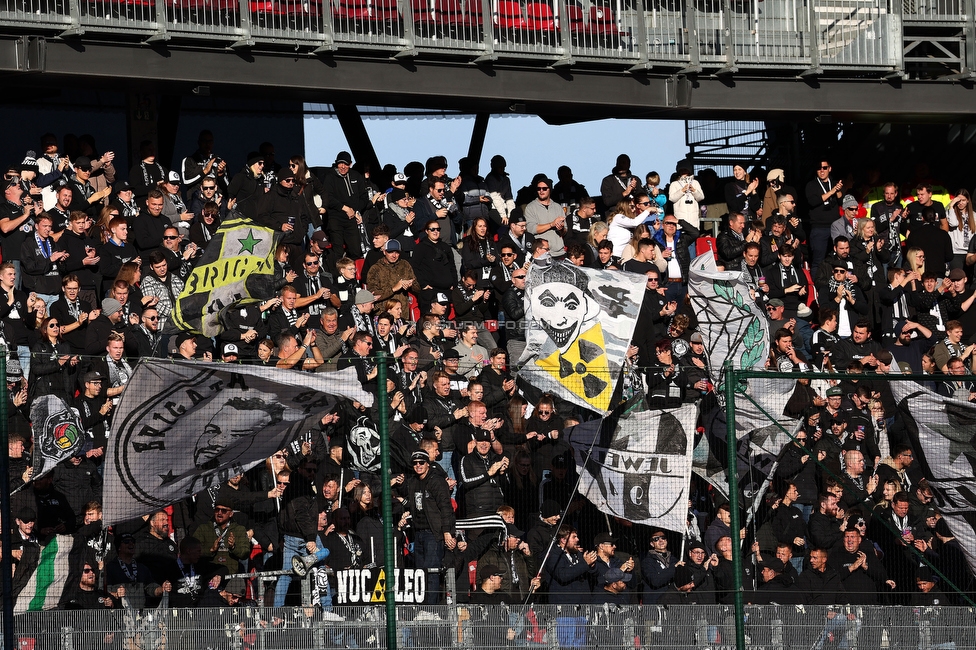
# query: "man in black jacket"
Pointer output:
{"type": "Point", "coordinates": [99, 329]}
{"type": "Point", "coordinates": [283, 211]}
{"type": "Point", "coordinates": [820, 585]}
{"type": "Point", "coordinates": [732, 241]}
{"type": "Point", "coordinates": [148, 227]}
{"type": "Point", "coordinates": [483, 475]}
{"type": "Point", "coordinates": [297, 522]}
{"type": "Point", "coordinates": [433, 264]}
{"type": "Point", "coordinates": [826, 526]}
{"type": "Point", "coordinates": [42, 262]}
{"type": "Point", "coordinates": [144, 340]}
{"type": "Point", "coordinates": [513, 304]}
{"type": "Point", "coordinates": [498, 383]}
{"type": "Point", "coordinates": [432, 520]}
{"type": "Point", "coordinates": [349, 201]}
{"type": "Point", "coordinates": [73, 314]}
{"type": "Point", "coordinates": [116, 251]}
{"type": "Point", "coordinates": [82, 260]}
{"type": "Point", "coordinates": [83, 196]}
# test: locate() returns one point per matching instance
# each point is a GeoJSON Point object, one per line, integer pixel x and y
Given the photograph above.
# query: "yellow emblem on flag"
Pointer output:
{"type": "Point", "coordinates": [583, 369]}
{"type": "Point", "coordinates": [379, 592]}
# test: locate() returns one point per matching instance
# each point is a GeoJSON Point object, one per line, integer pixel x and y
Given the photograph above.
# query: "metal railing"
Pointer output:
{"type": "Point", "coordinates": [692, 34]}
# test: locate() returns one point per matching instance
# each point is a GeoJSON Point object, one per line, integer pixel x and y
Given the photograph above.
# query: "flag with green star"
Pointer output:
{"type": "Point", "coordinates": [236, 267]}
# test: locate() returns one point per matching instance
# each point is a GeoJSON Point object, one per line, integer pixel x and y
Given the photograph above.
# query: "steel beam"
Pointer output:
{"type": "Point", "coordinates": [456, 84]}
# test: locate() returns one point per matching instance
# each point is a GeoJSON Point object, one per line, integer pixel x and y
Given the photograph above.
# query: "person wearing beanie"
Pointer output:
{"type": "Point", "coordinates": [392, 276]}
{"type": "Point", "coordinates": [619, 184]}
{"type": "Point", "coordinates": [281, 209]}
{"type": "Point", "coordinates": [490, 626]}
{"type": "Point", "coordinates": [349, 203]}
{"type": "Point", "coordinates": [680, 591]}
{"type": "Point", "coordinates": [247, 186]}
{"type": "Point", "coordinates": [108, 320]}
{"type": "Point", "coordinates": [400, 217]}
{"type": "Point", "coordinates": [53, 170]}
{"type": "Point", "coordinates": [541, 535]}
{"type": "Point", "coordinates": [428, 500]}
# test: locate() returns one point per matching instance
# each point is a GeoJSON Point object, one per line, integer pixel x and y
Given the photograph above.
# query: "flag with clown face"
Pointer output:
{"type": "Point", "coordinates": [582, 321]}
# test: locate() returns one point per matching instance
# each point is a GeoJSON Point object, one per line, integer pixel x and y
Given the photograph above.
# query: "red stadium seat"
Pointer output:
{"type": "Point", "coordinates": [510, 15]}
{"type": "Point", "coordinates": [359, 268]}
{"type": "Point", "coordinates": [424, 17]}
{"type": "Point", "coordinates": [454, 21]}
{"type": "Point", "coordinates": [540, 22]}
{"type": "Point", "coordinates": [706, 243]}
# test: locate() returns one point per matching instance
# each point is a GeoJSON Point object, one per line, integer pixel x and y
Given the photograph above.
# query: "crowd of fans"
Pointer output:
{"type": "Point", "coordinates": [432, 269]}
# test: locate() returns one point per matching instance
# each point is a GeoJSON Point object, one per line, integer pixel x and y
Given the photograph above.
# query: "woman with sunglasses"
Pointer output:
{"type": "Point", "coordinates": [433, 263]}
{"type": "Point", "coordinates": [53, 367]}
{"type": "Point", "coordinates": [622, 224]}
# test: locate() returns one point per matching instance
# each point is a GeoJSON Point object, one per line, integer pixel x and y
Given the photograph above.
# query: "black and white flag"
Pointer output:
{"type": "Point", "coordinates": [760, 435]}
{"type": "Point", "coordinates": [57, 433]}
{"type": "Point", "coordinates": [585, 320]}
{"type": "Point", "coordinates": [640, 465]}
{"type": "Point", "coordinates": [183, 427]}
{"type": "Point", "coordinates": [363, 445]}
{"type": "Point", "coordinates": [942, 431]}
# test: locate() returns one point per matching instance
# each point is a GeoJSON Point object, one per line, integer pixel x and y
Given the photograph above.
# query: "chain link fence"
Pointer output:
{"type": "Point", "coordinates": [858, 429]}
{"type": "Point", "coordinates": [493, 626]}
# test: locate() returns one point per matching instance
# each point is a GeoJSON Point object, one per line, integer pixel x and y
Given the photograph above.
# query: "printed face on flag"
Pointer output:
{"type": "Point", "coordinates": [229, 431]}
{"type": "Point", "coordinates": [583, 322]}
{"type": "Point", "coordinates": [563, 310]}
{"type": "Point", "coordinates": [184, 427]}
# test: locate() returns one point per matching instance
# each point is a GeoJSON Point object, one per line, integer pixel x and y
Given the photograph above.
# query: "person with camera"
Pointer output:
{"type": "Point", "coordinates": [17, 213]}
{"type": "Point", "coordinates": [685, 193]}
{"type": "Point", "coordinates": [51, 167]}
{"type": "Point", "coordinates": [619, 184]}
{"type": "Point", "coordinates": [203, 164]}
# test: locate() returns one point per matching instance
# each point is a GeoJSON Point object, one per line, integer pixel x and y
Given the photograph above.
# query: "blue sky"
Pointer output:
{"type": "Point", "coordinates": [528, 144]}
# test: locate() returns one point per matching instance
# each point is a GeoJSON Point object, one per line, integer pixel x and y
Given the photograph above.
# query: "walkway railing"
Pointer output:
{"type": "Point", "coordinates": [715, 35]}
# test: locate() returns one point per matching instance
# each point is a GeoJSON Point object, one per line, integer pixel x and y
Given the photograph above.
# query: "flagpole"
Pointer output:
{"type": "Point", "coordinates": [731, 441]}
{"type": "Point", "coordinates": [5, 558]}
{"type": "Point", "coordinates": [389, 556]}
{"type": "Point", "coordinates": [565, 511]}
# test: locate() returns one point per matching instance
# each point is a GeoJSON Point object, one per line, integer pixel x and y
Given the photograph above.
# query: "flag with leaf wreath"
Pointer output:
{"type": "Point", "coordinates": [732, 326]}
